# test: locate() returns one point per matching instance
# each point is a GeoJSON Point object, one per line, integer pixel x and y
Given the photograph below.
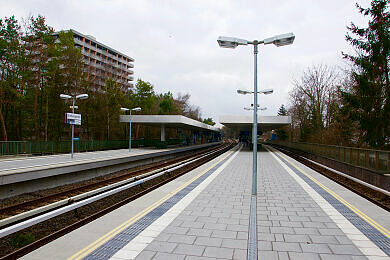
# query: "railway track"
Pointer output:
{"type": "Point", "coordinates": [374, 194]}
{"type": "Point", "coordinates": [76, 189]}
{"type": "Point", "coordinates": [49, 224]}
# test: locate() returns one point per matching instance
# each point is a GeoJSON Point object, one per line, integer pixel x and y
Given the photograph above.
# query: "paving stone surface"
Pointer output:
{"type": "Point", "coordinates": [290, 225]}
{"type": "Point", "coordinates": [215, 224]}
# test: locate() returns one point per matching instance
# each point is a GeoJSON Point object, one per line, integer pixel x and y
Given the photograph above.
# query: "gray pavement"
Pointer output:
{"type": "Point", "coordinates": [215, 224]}
{"type": "Point", "coordinates": [290, 223]}
{"type": "Point", "coordinates": [35, 163]}
{"type": "Point", "coordinates": [55, 160]}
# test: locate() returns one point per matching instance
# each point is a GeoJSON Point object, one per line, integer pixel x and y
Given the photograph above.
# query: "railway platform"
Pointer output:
{"type": "Point", "coordinates": [205, 214]}
{"type": "Point", "coordinates": [28, 174]}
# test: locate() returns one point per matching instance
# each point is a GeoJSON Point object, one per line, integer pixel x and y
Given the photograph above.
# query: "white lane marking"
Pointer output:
{"type": "Point", "coordinates": [363, 243]}
{"type": "Point", "coordinates": [135, 246]}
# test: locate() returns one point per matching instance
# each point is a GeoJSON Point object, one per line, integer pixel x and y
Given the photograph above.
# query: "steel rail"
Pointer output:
{"type": "Point", "coordinates": [84, 200]}
{"type": "Point", "coordinates": [56, 234]}
{"type": "Point", "coordinates": [368, 185]}
{"type": "Point", "coordinates": [26, 204]}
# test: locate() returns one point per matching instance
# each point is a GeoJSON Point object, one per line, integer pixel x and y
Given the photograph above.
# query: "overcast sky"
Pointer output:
{"type": "Point", "coordinates": [174, 43]}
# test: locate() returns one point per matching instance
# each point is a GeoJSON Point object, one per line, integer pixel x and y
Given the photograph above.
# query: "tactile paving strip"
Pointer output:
{"type": "Point", "coordinates": [252, 241]}
{"type": "Point", "coordinates": [108, 249]}
{"type": "Point", "coordinates": [372, 233]}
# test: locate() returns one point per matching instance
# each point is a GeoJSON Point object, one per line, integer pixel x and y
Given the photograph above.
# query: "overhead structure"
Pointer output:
{"type": "Point", "coordinates": [245, 123]}
{"type": "Point", "coordinates": [171, 121]}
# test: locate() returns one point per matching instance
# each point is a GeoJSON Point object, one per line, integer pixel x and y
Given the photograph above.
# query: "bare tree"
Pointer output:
{"type": "Point", "coordinates": [314, 100]}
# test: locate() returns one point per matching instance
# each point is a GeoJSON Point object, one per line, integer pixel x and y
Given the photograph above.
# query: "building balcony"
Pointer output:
{"type": "Point", "coordinates": [79, 42]}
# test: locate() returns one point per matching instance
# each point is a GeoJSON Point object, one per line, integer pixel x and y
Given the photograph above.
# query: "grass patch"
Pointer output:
{"type": "Point", "coordinates": [21, 240]}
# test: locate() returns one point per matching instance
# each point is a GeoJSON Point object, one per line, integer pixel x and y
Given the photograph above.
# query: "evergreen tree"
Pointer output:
{"type": "Point", "coordinates": [209, 121]}
{"type": "Point", "coordinates": [39, 43]}
{"type": "Point", "coordinates": [167, 105]}
{"type": "Point", "coordinates": [282, 111]}
{"type": "Point", "coordinates": [281, 133]}
{"type": "Point", "coordinates": [11, 62]}
{"type": "Point", "coordinates": [367, 101]}
{"type": "Point", "coordinates": [144, 96]}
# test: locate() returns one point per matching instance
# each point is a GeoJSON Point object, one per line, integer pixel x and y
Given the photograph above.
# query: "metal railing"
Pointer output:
{"type": "Point", "coordinates": [377, 160]}
{"type": "Point", "coordinates": [52, 147]}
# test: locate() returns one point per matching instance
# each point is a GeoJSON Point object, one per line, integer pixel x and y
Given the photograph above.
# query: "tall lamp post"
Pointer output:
{"type": "Point", "coordinates": [128, 109]}
{"type": "Point", "coordinates": [254, 130]}
{"type": "Point", "coordinates": [231, 42]}
{"type": "Point", "coordinates": [74, 97]}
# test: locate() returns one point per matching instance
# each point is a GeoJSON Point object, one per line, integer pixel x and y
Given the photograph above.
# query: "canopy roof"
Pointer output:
{"type": "Point", "coordinates": [264, 123]}
{"type": "Point", "coordinates": [175, 121]}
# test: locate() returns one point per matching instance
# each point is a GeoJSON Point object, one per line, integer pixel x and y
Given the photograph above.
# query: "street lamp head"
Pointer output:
{"type": "Point", "coordinates": [64, 96]}
{"type": "Point", "coordinates": [281, 40]}
{"type": "Point", "coordinates": [230, 42]}
{"type": "Point", "coordinates": [243, 92]}
{"type": "Point", "coordinates": [82, 96]}
{"type": "Point", "coordinates": [258, 108]}
{"type": "Point", "coordinates": [266, 91]}
{"type": "Point", "coordinates": [136, 109]}
{"type": "Point", "coordinates": [124, 109]}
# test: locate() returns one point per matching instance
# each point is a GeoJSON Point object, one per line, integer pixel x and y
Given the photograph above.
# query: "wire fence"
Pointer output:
{"type": "Point", "coordinates": [378, 160]}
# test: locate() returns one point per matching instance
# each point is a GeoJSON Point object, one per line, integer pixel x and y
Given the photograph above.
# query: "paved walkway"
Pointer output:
{"type": "Point", "coordinates": [21, 163]}
{"type": "Point", "coordinates": [290, 223]}
{"type": "Point", "coordinates": [215, 224]}
{"type": "Point", "coordinates": [47, 160]}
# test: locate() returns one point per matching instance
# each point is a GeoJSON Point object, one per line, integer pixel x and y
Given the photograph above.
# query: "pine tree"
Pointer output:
{"type": "Point", "coordinates": [367, 101]}
{"type": "Point", "coordinates": [281, 133]}
{"type": "Point", "coordinates": [282, 111]}
{"type": "Point", "coordinates": [11, 61]}
{"type": "Point", "coordinates": [38, 42]}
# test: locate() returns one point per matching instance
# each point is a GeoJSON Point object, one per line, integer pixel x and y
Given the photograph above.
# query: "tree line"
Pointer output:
{"type": "Point", "coordinates": [349, 106]}
{"type": "Point", "coordinates": [36, 67]}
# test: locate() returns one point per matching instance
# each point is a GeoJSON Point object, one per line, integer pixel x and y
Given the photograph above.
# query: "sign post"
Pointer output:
{"type": "Point", "coordinates": [72, 118]}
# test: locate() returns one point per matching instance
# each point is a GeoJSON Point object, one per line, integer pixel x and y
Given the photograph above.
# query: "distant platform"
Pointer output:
{"type": "Point", "coordinates": [264, 123]}
{"type": "Point", "coordinates": [28, 174]}
{"type": "Point", "coordinates": [176, 121]}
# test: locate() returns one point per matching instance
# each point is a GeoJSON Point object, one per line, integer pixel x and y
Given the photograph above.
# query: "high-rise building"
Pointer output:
{"type": "Point", "coordinates": [102, 62]}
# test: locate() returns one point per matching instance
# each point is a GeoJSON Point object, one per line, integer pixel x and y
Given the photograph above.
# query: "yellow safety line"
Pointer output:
{"type": "Point", "coordinates": [88, 249]}
{"type": "Point", "coordinates": [372, 222]}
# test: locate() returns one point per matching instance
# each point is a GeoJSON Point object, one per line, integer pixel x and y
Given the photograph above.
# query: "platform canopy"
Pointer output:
{"type": "Point", "coordinates": [264, 123]}
{"type": "Point", "coordinates": [171, 121]}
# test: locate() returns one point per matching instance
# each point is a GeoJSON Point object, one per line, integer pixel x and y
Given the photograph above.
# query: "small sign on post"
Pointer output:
{"type": "Point", "coordinates": [73, 119]}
